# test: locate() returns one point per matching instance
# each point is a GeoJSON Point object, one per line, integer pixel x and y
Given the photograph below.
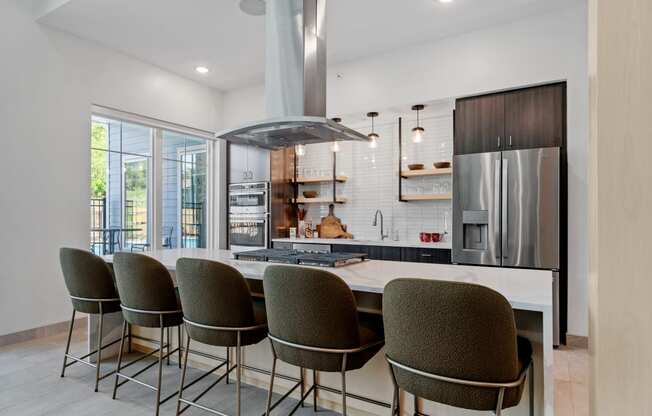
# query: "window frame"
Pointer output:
{"type": "Point", "coordinates": [155, 177]}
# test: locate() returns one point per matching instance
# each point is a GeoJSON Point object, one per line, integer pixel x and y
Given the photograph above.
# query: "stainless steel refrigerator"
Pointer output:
{"type": "Point", "coordinates": [506, 211]}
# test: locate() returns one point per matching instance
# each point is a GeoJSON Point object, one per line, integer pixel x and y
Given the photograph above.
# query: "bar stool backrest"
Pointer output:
{"type": "Point", "coordinates": [214, 294]}
{"type": "Point", "coordinates": [310, 307]}
{"type": "Point", "coordinates": [87, 276]}
{"type": "Point", "coordinates": [456, 330]}
{"type": "Point", "coordinates": [144, 283]}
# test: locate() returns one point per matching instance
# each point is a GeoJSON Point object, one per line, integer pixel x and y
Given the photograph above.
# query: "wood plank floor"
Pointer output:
{"type": "Point", "coordinates": [571, 381]}
{"type": "Point", "coordinates": [30, 385]}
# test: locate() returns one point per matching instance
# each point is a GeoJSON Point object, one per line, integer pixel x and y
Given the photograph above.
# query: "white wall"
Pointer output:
{"type": "Point", "coordinates": [534, 50]}
{"type": "Point", "coordinates": [48, 81]}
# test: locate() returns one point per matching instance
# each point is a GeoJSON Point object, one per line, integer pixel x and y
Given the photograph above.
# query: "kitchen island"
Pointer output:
{"type": "Point", "coordinates": [528, 291]}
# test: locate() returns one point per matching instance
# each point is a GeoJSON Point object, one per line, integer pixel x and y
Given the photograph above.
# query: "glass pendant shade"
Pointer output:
{"type": "Point", "coordinates": [417, 134]}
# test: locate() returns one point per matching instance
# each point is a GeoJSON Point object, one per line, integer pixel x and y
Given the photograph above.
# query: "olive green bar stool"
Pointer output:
{"type": "Point", "coordinates": [456, 344]}
{"type": "Point", "coordinates": [89, 280]}
{"type": "Point", "coordinates": [148, 299]}
{"type": "Point", "coordinates": [218, 310]}
{"type": "Point", "coordinates": [313, 324]}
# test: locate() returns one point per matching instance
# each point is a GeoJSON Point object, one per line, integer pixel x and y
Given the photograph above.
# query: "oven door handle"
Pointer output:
{"type": "Point", "coordinates": [247, 193]}
{"type": "Point", "coordinates": [246, 221]}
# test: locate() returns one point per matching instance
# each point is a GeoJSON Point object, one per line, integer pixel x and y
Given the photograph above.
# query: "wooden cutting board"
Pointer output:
{"type": "Point", "coordinates": [331, 226]}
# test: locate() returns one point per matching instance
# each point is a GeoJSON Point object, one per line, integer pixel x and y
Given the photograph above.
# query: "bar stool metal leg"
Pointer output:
{"type": "Point", "coordinates": [228, 363]}
{"type": "Point", "coordinates": [303, 384]}
{"type": "Point", "coordinates": [314, 392]}
{"type": "Point", "coordinates": [129, 348]}
{"type": "Point", "coordinates": [499, 402]}
{"type": "Point", "coordinates": [99, 348]}
{"type": "Point", "coordinates": [117, 371]}
{"type": "Point", "coordinates": [238, 373]}
{"type": "Point", "coordinates": [168, 348]}
{"type": "Point", "coordinates": [344, 384]}
{"type": "Point", "coordinates": [271, 381]}
{"type": "Point", "coordinates": [183, 375]}
{"type": "Point", "coordinates": [65, 355]}
{"type": "Point", "coordinates": [396, 399]}
{"type": "Point", "coordinates": [160, 369]}
{"type": "Point", "coordinates": [532, 389]}
{"type": "Point", "coordinates": [179, 341]}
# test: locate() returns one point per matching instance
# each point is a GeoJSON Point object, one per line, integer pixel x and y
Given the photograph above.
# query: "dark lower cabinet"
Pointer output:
{"type": "Point", "coordinates": [426, 255]}
{"type": "Point", "coordinates": [373, 252]}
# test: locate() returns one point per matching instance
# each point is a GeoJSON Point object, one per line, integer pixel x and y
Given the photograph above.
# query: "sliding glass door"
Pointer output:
{"type": "Point", "coordinates": [132, 183]}
{"type": "Point", "coordinates": [185, 164]}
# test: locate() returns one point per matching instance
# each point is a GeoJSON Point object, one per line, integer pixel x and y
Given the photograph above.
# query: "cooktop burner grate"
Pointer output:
{"type": "Point", "coordinates": [301, 257]}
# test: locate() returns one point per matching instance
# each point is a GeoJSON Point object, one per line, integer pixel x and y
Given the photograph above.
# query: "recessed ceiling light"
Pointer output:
{"type": "Point", "coordinates": [445, 1]}
{"type": "Point", "coordinates": [202, 69]}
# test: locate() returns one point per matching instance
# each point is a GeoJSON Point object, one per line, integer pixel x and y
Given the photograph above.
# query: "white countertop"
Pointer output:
{"type": "Point", "coordinates": [384, 243]}
{"type": "Point", "coordinates": [524, 289]}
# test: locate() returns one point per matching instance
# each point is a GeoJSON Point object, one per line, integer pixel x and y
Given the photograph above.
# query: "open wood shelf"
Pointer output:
{"type": "Point", "coordinates": [318, 179]}
{"type": "Point", "coordinates": [319, 200]}
{"type": "Point", "coordinates": [427, 197]}
{"type": "Point", "coordinates": [426, 172]}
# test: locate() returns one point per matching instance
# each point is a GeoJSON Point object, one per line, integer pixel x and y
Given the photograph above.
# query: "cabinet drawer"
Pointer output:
{"type": "Point", "coordinates": [373, 252]}
{"type": "Point", "coordinates": [426, 255]}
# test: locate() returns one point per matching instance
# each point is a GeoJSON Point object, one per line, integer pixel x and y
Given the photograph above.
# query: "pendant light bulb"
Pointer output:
{"type": "Point", "coordinates": [417, 136]}
{"type": "Point", "coordinates": [373, 136]}
{"type": "Point", "coordinates": [373, 143]}
{"type": "Point", "coordinates": [300, 149]}
{"type": "Point", "coordinates": [335, 147]}
{"type": "Point", "coordinates": [418, 131]}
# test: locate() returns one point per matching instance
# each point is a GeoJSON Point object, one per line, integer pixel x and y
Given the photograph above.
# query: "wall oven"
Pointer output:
{"type": "Point", "coordinates": [248, 216]}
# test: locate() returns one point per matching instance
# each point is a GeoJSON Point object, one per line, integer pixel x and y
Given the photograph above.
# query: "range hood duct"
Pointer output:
{"type": "Point", "coordinates": [295, 81]}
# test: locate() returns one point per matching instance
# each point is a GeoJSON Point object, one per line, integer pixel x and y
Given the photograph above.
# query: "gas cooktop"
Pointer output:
{"type": "Point", "coordinates": [301, 257]}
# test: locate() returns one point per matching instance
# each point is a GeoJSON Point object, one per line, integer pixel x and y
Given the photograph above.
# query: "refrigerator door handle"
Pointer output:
{"type": "Point", "coordinates": [504, 221]}
{"type": "Point", "coordinates": [497, 201]}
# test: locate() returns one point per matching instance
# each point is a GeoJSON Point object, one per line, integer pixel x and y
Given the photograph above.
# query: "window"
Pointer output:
{"type": "Point", "coordinates": [184, 190]}
{"type": "Point", "coordinates": [126, 195]}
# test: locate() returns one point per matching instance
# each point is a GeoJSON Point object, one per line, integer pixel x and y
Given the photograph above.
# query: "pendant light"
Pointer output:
{"type": "Point", "coordinates": [300, 149]}
{"type": "Point", "coordinates": [335, 147]}
{"type": "Point", "coordinates": [373, 136]}
{"type": "Point", "coordinates": [418, 131]}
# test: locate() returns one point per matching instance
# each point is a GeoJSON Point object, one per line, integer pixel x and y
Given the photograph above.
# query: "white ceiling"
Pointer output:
{"type": "Point", "coordinates": [179, 35]}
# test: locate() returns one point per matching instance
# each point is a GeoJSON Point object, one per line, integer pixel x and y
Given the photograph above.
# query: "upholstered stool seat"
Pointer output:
{"type": "Point", "coordinates": [90, 283]}
{"type": "Point", "coordinates": [314, 324]}
{"type": "Point", "coordinates": [219, 311]}
{"type": "Point", "coordinates": [455, 343]}
{"type": "Point", "coordinates": [148, 299]}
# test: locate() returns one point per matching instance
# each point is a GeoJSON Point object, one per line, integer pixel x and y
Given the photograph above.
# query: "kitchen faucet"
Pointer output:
{"type": "Point", "coordinates": [382, 222]}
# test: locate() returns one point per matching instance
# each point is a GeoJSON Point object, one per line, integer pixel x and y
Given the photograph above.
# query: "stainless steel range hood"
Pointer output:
{"type": "Point", "coordinates": [295, 81]}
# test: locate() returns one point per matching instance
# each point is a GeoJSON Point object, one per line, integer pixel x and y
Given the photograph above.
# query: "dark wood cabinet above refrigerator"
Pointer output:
{"type": "Point", "coordinates": [519, 119]}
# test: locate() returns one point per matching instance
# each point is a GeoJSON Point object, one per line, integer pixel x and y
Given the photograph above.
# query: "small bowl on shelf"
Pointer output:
{"type": "Point", "coordinates": [310, 194]}
{"type": "Point", "coordinates": [416, 166]}
{"type": "Point", "coordinates": [442, 165]}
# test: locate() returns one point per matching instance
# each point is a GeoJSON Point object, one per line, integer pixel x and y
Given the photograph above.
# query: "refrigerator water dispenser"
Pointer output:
{"type": "Point", "coordinates": [475, 229]}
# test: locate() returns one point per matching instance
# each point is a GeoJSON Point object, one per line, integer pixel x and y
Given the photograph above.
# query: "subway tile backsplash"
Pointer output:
{"type": "Point", "coordinates": [373, 178]}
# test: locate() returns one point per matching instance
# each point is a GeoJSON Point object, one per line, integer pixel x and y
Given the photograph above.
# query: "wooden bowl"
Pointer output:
{"type": "Point", "coordinates": [310, 194]}
{"type": "Point", "coordinates": [442, 165]}
{"type": "Point", "coordinates": [416, 166]}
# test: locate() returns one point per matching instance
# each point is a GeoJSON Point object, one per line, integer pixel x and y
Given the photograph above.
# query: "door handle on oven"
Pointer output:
{"type": "Point", "coordinates": [504, 222]}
